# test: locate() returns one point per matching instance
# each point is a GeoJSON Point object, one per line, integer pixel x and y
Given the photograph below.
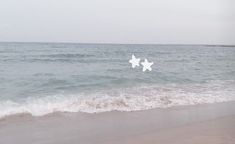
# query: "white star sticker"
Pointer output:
{"type": "Point", "coordinates": [146, 65]}
{"type": "Point", "coordinates": [134, 61]}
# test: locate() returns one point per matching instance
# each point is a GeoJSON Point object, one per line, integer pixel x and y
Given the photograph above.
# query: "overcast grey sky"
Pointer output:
{"type": "Point", "coordinates": [118, 21]}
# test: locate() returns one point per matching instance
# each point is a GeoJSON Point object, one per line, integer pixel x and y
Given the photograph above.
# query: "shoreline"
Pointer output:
{"type": "Point", "coordinates": [155, 125]}
{"type": "Point", "coordinates": [20, 116]}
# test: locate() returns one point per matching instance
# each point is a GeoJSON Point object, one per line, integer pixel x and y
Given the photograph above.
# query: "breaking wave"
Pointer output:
{"type": "Point", "coordinates": [125, 99]}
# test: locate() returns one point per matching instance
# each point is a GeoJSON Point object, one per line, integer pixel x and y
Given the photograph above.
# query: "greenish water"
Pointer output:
{"type": "Point", "coordinates": [41, 78]}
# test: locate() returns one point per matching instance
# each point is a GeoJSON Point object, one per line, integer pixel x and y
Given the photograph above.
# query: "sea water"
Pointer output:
{"type": "Point", "coordinates": [42, 78]}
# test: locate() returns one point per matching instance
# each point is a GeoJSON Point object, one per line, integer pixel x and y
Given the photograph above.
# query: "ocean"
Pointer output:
{"type": "Point", "coordinates": [43, 78]}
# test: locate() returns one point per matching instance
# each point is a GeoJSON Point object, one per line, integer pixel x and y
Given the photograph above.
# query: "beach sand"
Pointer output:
{"type": "Point", "coordinates": [199, 124]}
{"type": "Point", "coordinates": [217, 131]}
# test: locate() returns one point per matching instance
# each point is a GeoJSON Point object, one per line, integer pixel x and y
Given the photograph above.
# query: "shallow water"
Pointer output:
{"type": "Point", "coordinates": [41, 78]}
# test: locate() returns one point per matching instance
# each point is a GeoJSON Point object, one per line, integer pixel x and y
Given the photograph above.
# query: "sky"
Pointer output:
{"type": "Point", "coordinates": [118, 21]}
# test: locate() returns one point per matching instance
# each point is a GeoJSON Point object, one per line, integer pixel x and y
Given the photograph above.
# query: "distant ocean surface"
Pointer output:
{"type": "Point", "coordinates": [42, 78]}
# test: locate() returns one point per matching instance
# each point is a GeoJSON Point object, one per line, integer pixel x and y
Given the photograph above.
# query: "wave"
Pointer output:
{"type": "Point", "coordinates": [68, 55]}
{"type": "Point", "coordinates": [125, 99]}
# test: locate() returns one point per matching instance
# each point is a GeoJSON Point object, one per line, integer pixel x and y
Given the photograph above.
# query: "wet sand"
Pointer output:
{"type": "Point", "coordinates": [209, 123]}
{"type": "Point", "coordinates": [217, 131]}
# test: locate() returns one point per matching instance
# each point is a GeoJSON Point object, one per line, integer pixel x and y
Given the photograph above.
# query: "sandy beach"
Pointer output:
{"type": "Point", "coordinates": [217, 131]}
{"type": "Point", "coordinates": [117, 72]}
{"type": "Point", "coordinates": [209, 123]}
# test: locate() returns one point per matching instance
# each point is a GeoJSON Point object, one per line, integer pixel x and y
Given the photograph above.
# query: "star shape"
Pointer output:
{"type": "Point", "coordinates": [146, 65]}
{"type": "Point", "coordinates": [134, 61]}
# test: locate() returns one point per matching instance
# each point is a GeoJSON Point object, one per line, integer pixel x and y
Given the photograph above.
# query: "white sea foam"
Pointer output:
{"type": "Point", "coordinates": [128, 99]}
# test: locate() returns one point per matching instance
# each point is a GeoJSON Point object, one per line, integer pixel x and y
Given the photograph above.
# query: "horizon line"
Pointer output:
{"type": "Point", "coordinates": [110, 43]}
